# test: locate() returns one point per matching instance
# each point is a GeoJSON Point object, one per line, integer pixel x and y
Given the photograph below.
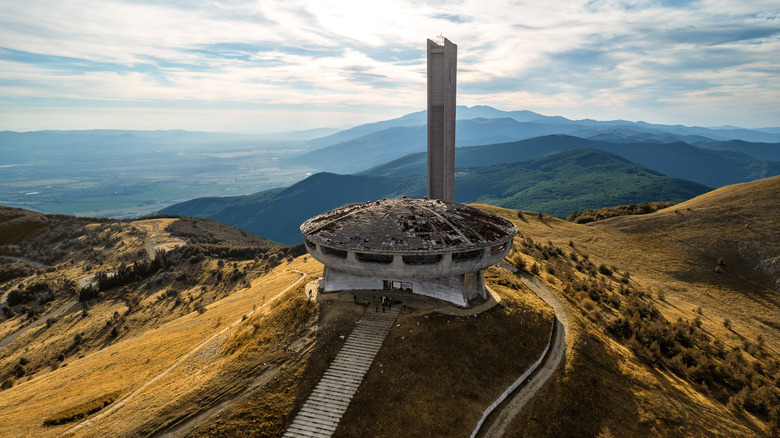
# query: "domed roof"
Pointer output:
{"type": "Point", "coordinates": [407, 225]}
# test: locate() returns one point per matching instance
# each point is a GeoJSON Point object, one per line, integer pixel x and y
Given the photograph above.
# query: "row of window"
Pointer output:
{"type": "Point", "coordinates": [413, 259]}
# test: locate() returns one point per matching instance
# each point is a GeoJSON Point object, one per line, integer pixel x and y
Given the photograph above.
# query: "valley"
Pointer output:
{"type": "Point", "coordinates": [125, 174]}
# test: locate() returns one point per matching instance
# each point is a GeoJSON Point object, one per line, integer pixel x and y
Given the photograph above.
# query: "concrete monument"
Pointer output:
{"type": "Point", "coordinates": [442, 84]}
{"type": "Point", "coordinates": [431, 246]}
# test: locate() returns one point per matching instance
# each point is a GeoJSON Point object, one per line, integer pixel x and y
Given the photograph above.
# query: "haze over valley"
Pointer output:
{"type": "Point", "coordinates": [120, 174]}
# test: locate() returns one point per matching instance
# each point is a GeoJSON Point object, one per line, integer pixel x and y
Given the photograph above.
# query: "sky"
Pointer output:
{"type": "Point", "coordinates": [272, 66]}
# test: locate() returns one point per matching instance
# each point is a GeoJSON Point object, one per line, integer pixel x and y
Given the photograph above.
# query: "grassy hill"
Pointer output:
{"type": "Point", "coordinates": [557, 185]}
{"type": "Point", "coordinates": [277, 214]}
{"type": "Point", "coordinates": [561, 183]}
{"type": "Point", "coordinates": [699, 266]}
{"type": "Point", "coordinates": [679, 160]}
{"type": "Point", "coordinates": [675, 331]}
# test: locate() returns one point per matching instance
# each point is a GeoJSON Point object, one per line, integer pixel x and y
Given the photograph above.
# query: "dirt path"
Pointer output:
{"type": "Point", "coordinates": [82, 282]}
{"type": "Point", "coordinates": [506, 412]}
{"type": "Point", "coordinates": [10, 338]}
{"type": "Point", "coordinates": [22, 283]}
{"type": "Point", "coordinates": [119, 404]}
{"type": "Point", "coordinates": [25, 261]}
{"type": "Point", "coordinates": [56, 312]}
{"type": "Point", "coordinates": [158, 240]}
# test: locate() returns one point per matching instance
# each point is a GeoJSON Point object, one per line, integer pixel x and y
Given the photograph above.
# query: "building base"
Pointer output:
{"type": "Point", "coordinates": [456, 289]}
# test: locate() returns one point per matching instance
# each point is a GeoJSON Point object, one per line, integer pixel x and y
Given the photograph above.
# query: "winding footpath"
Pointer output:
{"type": "Point", "coordinates": [158, 240]}
{"type": "Point", "coordinates": [82, 282]}
{"type": "Point", "coordinates": [508, 410]}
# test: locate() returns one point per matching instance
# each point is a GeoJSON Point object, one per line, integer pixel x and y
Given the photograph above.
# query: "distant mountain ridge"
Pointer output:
{"type": "Point", "coordinates": [556, 184]}
{"type": "Point", "coordinates": [381, 146]}
{"type": "Point", "coordinates": [364, 146]}
{"type": "Point", "coordinates": [769, 134]}
{"type": "Point", "coordinates": [710, 167]}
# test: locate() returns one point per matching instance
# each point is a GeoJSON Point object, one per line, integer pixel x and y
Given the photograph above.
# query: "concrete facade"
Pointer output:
{"type": "Point", "coordinates": [456, 289]}
{"type": "Point", "coordinates": [427, 247]}
{"type": "Point", "coordinates": [442, 87]}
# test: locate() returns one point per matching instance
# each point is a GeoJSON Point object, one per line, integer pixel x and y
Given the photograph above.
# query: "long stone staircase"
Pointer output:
{"type": "Point", "coordinates": [322, 411]}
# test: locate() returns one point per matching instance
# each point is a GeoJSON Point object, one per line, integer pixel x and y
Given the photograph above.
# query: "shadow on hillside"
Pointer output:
{"type": "Point", "coordinates": [591, 396]}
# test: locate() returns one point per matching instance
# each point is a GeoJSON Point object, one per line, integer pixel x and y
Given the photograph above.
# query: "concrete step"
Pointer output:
{"type": "Point", "coordinates": [329, 409]}
{"type": "Point", "coordinates": [338, 376]}
{"type": "Point", "coordinates": [304, 428]}
{"type": "Point", "coordinates": [322, 411]}
{"type": "Point", "coordinates": [321, 420]}
{"type": "Point", "coordinates": [333, 393]}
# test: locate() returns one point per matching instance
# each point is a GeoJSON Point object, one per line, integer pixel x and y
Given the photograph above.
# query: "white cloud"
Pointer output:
{"type": "Point", "coordinates": [611, 59]}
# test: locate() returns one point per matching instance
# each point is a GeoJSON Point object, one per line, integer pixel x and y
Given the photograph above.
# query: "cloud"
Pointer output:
{"type": "Point", "coordinates": [664, 61]}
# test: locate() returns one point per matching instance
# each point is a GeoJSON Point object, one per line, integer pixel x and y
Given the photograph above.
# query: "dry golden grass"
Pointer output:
{"type": "Point", "coordinates": [258, 372]}
{"type": "Point", "coordinates": [125, 366]}
{"type": "Point", "coordinates": [672, 254]}
{"type": "Point", "coordinates": [435, 374]}
{"type": "Point", "coordinates": [604, 391]}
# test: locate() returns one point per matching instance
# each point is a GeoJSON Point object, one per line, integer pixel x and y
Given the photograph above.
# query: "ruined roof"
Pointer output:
{"type": "Point", "coordinates": [407, 225]}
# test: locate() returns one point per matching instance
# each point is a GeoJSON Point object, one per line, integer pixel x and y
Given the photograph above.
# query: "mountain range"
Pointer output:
{"type": "Point", "coordinates": [119, 174]}
{"type": "Point", "coordinates": [713, 167]}
{"type": "Point", "coordinates": [359, 148]}
{"type": "Point", "coordinates": [556, 184]}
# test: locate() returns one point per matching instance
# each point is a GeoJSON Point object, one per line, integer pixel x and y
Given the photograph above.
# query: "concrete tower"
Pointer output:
{"type": "Point", "coordinates": [442, 81]}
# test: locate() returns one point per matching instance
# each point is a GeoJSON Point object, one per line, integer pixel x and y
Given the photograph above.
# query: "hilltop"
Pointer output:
{"type": "Point", "coordinates": [556, 184]}
{"type": "Point", "coordinates": [674, 315]}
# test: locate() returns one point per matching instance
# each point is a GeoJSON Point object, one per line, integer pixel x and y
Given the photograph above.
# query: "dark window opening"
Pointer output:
{"type": "Point", "coordinates": [498, 249]}
{"type": "Point", "coordinates": [340, 253]}
{"type": "Point", "coordinates": [311, 245]}
{"type": "Point", "coordinates": [422, 259]}
{"type": "Point", "coordinates": [466, 255]}
{"type": "Point", "coordinates": [374, 258]}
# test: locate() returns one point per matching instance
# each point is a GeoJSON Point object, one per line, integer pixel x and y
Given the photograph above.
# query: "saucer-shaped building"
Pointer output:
{"type": "Point", "coordinates": [424, 246]}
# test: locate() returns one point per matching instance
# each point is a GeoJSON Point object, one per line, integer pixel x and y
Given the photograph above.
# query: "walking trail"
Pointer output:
{"type": "Point", "coordinates": [512, 406]}
{"type": "Point", "coordinates": [322, 411]}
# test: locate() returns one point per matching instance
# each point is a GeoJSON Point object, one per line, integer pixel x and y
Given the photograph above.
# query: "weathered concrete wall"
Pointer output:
{"type": "Point", "coordinates": [451, 289]}
{"type": "Point", "coordinates": [442, 87]}
{"type": "Point", "coordinates": [399, 269]}
{"type": "Point", "coordinates": [336, 280]}
{"type": "Point", "coordinates": [453, 281]}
